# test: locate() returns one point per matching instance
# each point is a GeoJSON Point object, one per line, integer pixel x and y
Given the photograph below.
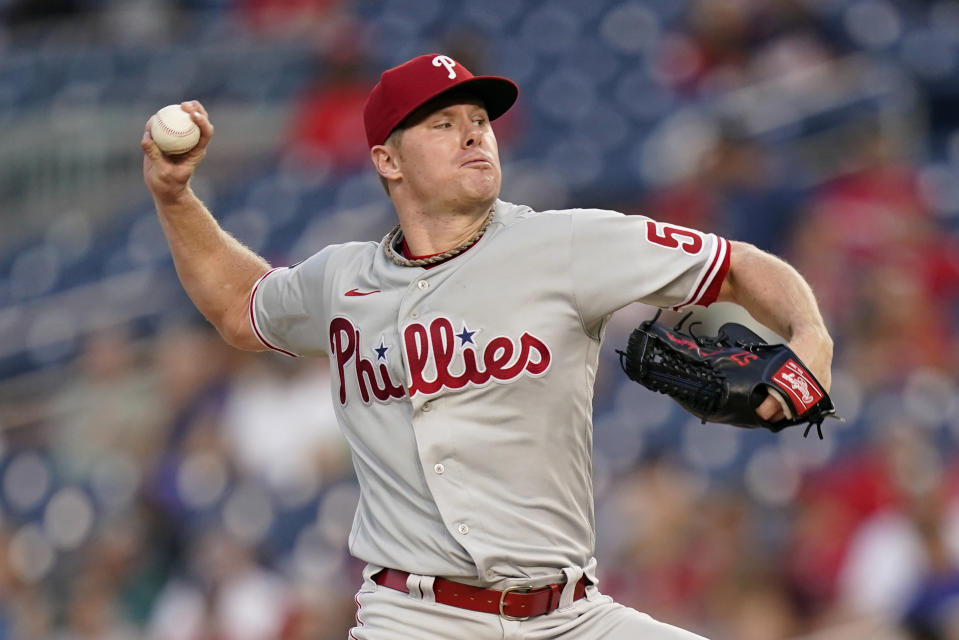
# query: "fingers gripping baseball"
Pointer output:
{"type": "Point", "coordinates": [167, 176]}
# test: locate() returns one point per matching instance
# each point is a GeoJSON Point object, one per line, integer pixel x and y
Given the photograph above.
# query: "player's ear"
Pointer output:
{"type": "Point", "coordinates": [385, 160]}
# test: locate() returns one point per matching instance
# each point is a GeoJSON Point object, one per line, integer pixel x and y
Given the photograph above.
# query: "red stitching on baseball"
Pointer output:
{"type": "Point", "coordinates": [173, 132]}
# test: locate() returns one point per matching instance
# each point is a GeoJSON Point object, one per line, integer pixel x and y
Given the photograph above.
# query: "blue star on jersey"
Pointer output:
{"type": "Point", "coordinates": [465, 336]}
{"type": "Point", "coordinates": [381, 350]}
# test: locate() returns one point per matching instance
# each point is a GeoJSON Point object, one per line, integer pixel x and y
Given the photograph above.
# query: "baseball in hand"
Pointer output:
{"type": "Point", "coordinates": [173, 130]}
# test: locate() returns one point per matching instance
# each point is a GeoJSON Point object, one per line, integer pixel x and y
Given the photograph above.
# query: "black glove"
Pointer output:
{"type": "Point", "coordinates": [724, 378]}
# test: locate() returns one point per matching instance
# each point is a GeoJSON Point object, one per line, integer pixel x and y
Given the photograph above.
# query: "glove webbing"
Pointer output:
{"type": "Point", "coordinates": [699, 386]}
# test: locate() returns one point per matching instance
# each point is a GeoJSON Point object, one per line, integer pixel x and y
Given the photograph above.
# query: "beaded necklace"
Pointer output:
{"type": "Point", "coordinates": [440, 257]}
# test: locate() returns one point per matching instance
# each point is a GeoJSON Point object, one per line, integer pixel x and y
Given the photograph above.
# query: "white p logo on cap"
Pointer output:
{"type": "Point", "coordinates": [445, 61]}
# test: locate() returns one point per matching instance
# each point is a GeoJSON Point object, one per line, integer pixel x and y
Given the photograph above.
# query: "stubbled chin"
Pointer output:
{"type": "Point", "coordinates": [484, 187]}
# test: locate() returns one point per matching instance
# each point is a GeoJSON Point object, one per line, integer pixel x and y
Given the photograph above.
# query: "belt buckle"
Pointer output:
{"type": "Point", "coordinates": [502, 602]}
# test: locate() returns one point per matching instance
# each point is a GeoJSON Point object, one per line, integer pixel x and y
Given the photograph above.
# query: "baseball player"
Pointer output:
{"type": "Point", "coordinates": [463, 349]}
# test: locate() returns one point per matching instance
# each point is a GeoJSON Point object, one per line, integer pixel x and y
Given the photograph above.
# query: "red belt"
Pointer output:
{"type": "Point", "coordinates": [514, 603]}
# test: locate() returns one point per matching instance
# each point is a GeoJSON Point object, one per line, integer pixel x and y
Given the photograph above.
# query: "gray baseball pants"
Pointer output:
{"type": "Point", "coordinates": [388, 614]}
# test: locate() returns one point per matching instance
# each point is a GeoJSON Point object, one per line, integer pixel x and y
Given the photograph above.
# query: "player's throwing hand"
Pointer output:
{"type": "Point", "coordinates": [167, 177]}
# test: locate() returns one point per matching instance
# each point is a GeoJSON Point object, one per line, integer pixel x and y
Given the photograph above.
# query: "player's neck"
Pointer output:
{"type": "Point", "coordinates": [428, 233]}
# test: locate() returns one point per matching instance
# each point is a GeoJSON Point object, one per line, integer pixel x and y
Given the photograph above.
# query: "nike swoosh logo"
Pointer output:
{"type": "Point", "coordinates": [357, 292]}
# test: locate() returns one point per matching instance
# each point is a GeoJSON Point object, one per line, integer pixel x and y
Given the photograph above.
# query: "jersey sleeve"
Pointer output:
{"type": "Point", "coordinates": [287, 309]}
{"type": "Point", "coordinates": [619, 259]}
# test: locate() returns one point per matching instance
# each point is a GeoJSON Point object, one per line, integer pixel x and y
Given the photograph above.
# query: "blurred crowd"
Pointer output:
{"type": "Point", "coordinates": [167, 487]}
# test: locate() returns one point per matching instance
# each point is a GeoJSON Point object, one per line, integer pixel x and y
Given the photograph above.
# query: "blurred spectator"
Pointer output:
{"type": "Point", "coordinates": [92, 612]}
{"type": "Point", "coordinates": [903, 560]}
{"type": "Point", "coordinates": [111, 409]}
{"type": "Point", "coordinates": [753, 603]}
{"type": "Point", "coordinates": [735, 43]}
{"type": "Point", "coordinates": [278, 423]}
{"type": "Point", "coordinates": [872, 227]}
{"type": "Point", "coordinates": [738, 191]}
{"type": "Point", "coordinates": [832, 506]}
{"type": "Point", "coordinates": [327, 123]}
{"type": "Point", "coordinates": [286, 17]}
{"type": "Point", "coordinates": [228, 596]}
{"type": "Point", "coordinates": [194, 384]}
{"type": "Point", "coordinates": [650, 566]}
{"type": "Point", "coordinates": [931, 611]}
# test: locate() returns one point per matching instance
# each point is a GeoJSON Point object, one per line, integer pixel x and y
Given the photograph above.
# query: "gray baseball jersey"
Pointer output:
{"type": "Point", "coordinates": [465, 390]}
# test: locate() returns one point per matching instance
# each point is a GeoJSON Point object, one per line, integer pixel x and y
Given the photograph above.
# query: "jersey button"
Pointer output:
{"type": "Point", "coordinates": [463, 528]}
{"type": "Point", "coordinates": [427, 406]}
{"type": "Point", "coordinates": [439, 469]}
{"type": "Point", "coordinates": [423, 284]}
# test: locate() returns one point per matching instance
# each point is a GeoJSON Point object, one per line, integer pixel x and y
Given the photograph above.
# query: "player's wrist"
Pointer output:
{"type": "Point", "coordinates": [169, 199]}
{"type": "Point", "coordinates": [815, 338]}
{"type": "Point", "coordinates": [814, 346]}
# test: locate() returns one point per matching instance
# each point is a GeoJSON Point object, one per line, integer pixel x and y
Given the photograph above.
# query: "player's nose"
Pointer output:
{"type": "Point", "coordinates": [472, 135]}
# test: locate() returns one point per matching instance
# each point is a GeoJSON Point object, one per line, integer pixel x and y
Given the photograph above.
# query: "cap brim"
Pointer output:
{"type": "Point", "coordinates": [498, 94]}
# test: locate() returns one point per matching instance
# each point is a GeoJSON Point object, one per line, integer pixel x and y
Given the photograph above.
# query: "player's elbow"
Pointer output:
{"type": "Point", "coordinates": [236, 328]}
{"type": "Point", "coordinates": [243, 340]}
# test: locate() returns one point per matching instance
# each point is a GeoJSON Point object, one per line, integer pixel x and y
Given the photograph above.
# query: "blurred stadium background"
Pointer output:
{"type": "Point", "coordinates": [155, 484]}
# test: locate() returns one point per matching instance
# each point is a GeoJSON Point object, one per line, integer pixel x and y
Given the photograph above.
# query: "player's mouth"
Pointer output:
{"type": "Point", "coordinates": [477, 162]}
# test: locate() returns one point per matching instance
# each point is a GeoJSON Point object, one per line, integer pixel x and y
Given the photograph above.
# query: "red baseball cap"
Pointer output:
{"type": "Point", "coordinates": [404, 89]}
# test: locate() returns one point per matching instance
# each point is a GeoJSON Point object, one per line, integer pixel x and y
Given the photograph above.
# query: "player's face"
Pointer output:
{"type": "Point", "coordinates": [449, 157]}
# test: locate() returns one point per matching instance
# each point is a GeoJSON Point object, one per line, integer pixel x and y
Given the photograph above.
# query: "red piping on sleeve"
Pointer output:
{"type": "Point", "coordinates": [712, 291]}
{"type": "Point", "coordinates": [256, 329]}
{"type": "Point", "coordinates": [708, 288]}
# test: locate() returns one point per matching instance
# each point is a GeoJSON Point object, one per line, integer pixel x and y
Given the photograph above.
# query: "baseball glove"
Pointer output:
{"type": "Point", "coordinates": [723, 378]}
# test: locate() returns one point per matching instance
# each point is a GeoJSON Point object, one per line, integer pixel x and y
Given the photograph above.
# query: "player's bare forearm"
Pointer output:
{"type": "Point", "coordinates": [776, 295]}
{"type": "Point", "coordinates": [216, 270]}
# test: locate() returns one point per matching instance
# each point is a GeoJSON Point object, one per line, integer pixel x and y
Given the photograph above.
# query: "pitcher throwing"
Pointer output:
{"type": "Point", "coordinates": [463, 348]}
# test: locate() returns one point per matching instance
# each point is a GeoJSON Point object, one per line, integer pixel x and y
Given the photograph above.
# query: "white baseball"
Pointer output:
{"type": "Point", "coordinates": [173, 130]}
